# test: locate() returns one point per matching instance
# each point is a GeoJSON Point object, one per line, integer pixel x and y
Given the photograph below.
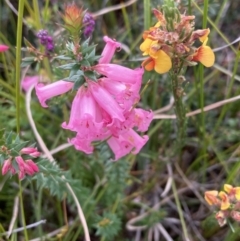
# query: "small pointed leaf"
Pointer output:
{"type": "Point", "coordinates": [90, 75]}
{"type": "Point", "coordinates": [67, 66]}
{"type": "Point", "coordinates": [78, 83]}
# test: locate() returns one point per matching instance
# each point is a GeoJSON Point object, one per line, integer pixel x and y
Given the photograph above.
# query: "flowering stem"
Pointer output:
{"type": "Point", "coordinates": [179, 107]}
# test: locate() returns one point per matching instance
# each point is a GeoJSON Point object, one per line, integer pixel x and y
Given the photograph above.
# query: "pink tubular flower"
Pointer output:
{"type": "Point", "coordinates": [85, 115]}
{"type": "Point", "coordinates": [139, 118]}
{"type": "Point", "coordinates": [103, 108]}
{"type": "Point", "coordinates": [109, 50]}
{"type": "Point", "coordinates": [125, 94]}
{"type": "Point", "coordinates": [57, 88]}
{"type": "Point", "coordinates": [28, 81]}
{"type": "Point", "coordinates": [127, 142]}
{"type": "Point", "coordinates": [119, 73]}
{"type": "Point", "coordinates": [82, 144]}
{"type": "Point", "coordinates": [106, 101]}
{"type": "Point", "coordinates": [3, 48]}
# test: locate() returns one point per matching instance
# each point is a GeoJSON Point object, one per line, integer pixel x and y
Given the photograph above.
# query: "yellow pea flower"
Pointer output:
{"type": "Point", "coordinates": [225, 204]}
{"type": "Point", "coordinates": [211, 197]}
{"type": "Point", "coordinates": [204, 54]}
{"type": "Point", "coordinates": [232, 191]}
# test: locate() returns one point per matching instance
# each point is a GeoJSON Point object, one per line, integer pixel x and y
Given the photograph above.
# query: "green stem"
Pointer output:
{"type": "Point", "coordinates": [38, 211]}
{"type": "Point", "coordinates": [147, 14]}
{"type": "Point", "coordinates": [22, 210]}
{"type": "Point", "coordinates": [18, 79]}
{"type": "Point", "coordinates": [189, 7]}
{"type": "Point", "coordinates": [37, 14]}
{"type": "Point", "coordinates": [202, 100]}
{"type": "Point", "coordinates": [45, 11]}
{"type": "Point", "coordinates": [18, 60]}
{"type": "Point", "coordinates": [201, 71]}
{"type": "Point", "coordinates": [127, 22]}
{"type": "Point", "coordinates": [205, 14]}
{"type": "Point", "coordinates": [184, 227]}
{"type": "Point", "coordinates": [37, 203]}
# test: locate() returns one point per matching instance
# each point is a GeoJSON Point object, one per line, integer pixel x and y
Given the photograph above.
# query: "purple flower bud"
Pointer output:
{"type": "Point", "coordinates": [46, 40]}
{"type": "Point", "coordinates": [89, 25]}
{"type": "Point", "coordinates": [50, 47]}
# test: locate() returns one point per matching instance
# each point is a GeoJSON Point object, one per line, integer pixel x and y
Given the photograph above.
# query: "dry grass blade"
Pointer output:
{"type": "Point", "coordinates": [205, 109]}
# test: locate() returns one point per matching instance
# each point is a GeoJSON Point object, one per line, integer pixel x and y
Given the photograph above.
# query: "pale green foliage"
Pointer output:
{"type": "Point", "coordinates": [52, 177]}
{"type": "Point", "coordinates": [108, 225]}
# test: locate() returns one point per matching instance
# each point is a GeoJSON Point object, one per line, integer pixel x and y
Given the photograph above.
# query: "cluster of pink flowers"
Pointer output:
{"type": "Point", "coordinates": [23, 166]}
{"type": "Point", "coordinates": [104, 109]}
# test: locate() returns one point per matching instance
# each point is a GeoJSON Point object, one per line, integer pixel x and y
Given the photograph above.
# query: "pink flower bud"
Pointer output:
{"type": "Point", "coordinates": [6, 166]}
{"type": "Point", "coordinates": [3, 48]}
{"type": "Point", "coordinates": [32, 167]}
{"type": "Point", "coordinates": [21, 175]}
{"type": "Point", "coordinates": [21, 163]}
{"type": "Point", "coordinates": [35, 154]}
{"type": "Point", "coordinates": [30, 151]}
{"type": "Point", "coordinates": [28, 169]}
